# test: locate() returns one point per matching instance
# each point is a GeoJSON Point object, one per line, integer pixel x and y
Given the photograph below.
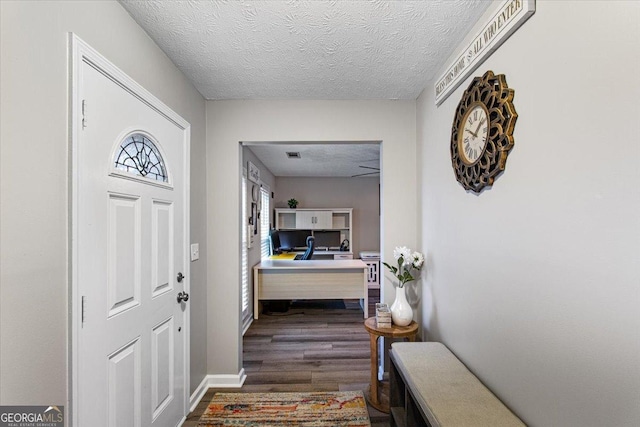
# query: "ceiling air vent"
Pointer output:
{"type": "Point", "coordinates": [293, 155]}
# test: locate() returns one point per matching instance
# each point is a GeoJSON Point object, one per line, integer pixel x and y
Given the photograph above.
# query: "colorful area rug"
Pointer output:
{"type": "Point", "coordinates": [318, 409]}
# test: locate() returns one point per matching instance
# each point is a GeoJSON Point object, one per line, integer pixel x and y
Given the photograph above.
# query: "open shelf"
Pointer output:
{"type": "Point", "coordinates": [339, 219]}
{"type": "Point", "coordinates": [404, 412]}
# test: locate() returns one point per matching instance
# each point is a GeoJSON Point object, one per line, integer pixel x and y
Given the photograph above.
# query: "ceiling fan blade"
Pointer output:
{"type": "Point", "coordinates": [363, 174]}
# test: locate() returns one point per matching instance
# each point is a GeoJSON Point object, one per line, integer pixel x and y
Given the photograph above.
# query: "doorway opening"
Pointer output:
{"type": "Point", "coordinates": [321, 175]}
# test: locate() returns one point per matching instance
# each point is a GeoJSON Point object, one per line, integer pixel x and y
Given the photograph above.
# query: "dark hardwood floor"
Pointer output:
{"type": "Point", "coordinates": [305, 349]}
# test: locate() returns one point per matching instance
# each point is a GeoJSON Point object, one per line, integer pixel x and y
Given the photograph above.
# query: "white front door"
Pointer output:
{"type": "Point", "coordinates": [131, 258]}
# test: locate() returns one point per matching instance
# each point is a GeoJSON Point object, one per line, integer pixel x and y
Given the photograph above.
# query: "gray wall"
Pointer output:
{"type": "Point", "coordinates": [361, 194]}
{"type": "Point", "coordinates": [392, 122]}
{"type": "Point", "coordinates": [34, 245]}
{"type": "Point", "coordinates": [254, 255]}
{"type": "Point", "coordinates": [545, 311]}
{"type": "Point", "coordinates": [535, 284]}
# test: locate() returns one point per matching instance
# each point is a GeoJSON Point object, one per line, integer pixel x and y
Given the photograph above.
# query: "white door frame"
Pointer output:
{"type": "Point", "coordinates": [79, 53]}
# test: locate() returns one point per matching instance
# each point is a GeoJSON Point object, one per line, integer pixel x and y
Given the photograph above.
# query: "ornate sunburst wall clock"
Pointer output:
{"type": "Point", "coordinates": [482, 131]}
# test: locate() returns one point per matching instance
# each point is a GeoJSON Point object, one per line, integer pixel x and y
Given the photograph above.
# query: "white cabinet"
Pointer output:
{"type": "Point", "coordinates": [372, 259]}
{"type": "Point", "coordinates": [314, 220]}
{"type": "Point", "coordinates": [338, 219]}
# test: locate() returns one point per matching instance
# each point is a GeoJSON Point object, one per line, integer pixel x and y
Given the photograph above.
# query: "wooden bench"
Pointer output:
{"type": "Point", "coordinates": [430, 387]}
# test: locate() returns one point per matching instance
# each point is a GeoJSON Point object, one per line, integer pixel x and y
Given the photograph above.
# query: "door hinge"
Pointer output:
{"type": "Point", "coordinates": [83, 309]}
{"type": "Point", "coordinates": [84, 113]}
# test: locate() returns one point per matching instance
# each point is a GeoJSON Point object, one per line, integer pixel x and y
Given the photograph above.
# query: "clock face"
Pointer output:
{"type": "Point", "coordinates": [480, 142]}
{"type": "Point", "coordinates": [472, 139]}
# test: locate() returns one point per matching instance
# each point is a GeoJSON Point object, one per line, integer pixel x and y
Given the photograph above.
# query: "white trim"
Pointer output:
{"type": "Point", "coordinates": [227, 381]}
{"type": "Point", "coordinates": [74, 53]}
{"type": "Point", "coordinates": [216, 381]}
{"type": "Point", "coordinates": [198, 394]}
{"type": "Point", "coordinates": [80, 52]}
{"type": "Point", "coordinates": [246, 327]}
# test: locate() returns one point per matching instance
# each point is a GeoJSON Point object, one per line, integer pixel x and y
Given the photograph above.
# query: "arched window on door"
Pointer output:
{"type": "Point", "coordinates": [139, 155]}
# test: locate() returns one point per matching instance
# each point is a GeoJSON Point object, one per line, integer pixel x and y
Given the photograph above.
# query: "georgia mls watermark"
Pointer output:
{"type": "Point", "coordinates": [31, 416]}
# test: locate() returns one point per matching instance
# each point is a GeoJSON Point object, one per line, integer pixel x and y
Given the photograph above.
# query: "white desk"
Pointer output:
{"type": "Point", "coordinates": [324, 254]}
{"type": "Point", "coordinates": [311, 279]}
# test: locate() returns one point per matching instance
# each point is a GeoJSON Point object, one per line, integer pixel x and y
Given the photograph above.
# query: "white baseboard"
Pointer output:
{"type": "Point", "coordinates": [244, 330]}
{"type": "Point", "coordinates": [216, 381]}
{"type": "Point", "coordinates": [196, 397]}
{"type": "Point", "coordinates": [181, 422]}
{"type": "Point", "coordinates": [227, 381]}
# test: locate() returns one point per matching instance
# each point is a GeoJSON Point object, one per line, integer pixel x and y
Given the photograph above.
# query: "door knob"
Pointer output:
{"type": "Point", "coordinates": [180, 277]}
{"type": "Point", "coordinates": [183, 296]}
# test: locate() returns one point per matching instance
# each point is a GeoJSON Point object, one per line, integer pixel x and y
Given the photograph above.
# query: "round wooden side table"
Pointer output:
{"type": "Point", "coordinates": [379, 400]}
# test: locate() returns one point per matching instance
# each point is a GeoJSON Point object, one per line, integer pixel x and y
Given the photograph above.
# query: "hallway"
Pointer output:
{"type": "Point", "coordinates": [305, 349]}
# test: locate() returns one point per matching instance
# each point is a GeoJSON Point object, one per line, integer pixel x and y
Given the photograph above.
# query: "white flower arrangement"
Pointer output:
{"type": "Point", "coordinates": [408, 262]}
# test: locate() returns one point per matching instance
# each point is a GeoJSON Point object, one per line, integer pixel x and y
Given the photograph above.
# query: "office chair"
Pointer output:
{"type": "Point", "coordinates": [310, 244]}
{"type": "Point", "coordinates": [274, 239]}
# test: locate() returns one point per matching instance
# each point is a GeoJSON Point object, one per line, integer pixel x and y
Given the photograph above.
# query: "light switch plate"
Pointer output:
{"type": "Point", "coordinates": [195, 252]}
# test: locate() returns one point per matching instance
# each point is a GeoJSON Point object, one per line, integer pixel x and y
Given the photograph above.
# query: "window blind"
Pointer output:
{"type": "Point", "coordinates": [246, 297]}
{"type": "Point", "coordinates": [264, 223]}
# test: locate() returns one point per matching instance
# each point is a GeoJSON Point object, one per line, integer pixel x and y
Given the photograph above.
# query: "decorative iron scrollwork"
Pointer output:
{"type": "Point", "coordinates": [138, 155]}
{"type": "Point", "coordinates": [493, 99]}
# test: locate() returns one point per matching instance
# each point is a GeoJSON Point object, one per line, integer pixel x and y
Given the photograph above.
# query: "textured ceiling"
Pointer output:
{"type": "Point", "coordinates": [320, 159]}
{"type": "Point", "coordinates": [308, 49]}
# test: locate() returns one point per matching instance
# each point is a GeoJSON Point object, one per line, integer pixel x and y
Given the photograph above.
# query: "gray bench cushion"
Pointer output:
{"type": "Point", "coordinates": [448, 393]}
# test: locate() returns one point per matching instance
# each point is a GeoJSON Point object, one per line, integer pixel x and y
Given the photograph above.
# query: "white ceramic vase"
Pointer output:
{"type": "Point", "coordinates": [401, 312]}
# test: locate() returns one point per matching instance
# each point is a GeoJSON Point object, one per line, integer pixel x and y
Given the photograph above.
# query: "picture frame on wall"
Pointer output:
{"type": "Point", "coordinates": [254, 217]}
{"type": "Point", "coordinates": [253, 172]}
